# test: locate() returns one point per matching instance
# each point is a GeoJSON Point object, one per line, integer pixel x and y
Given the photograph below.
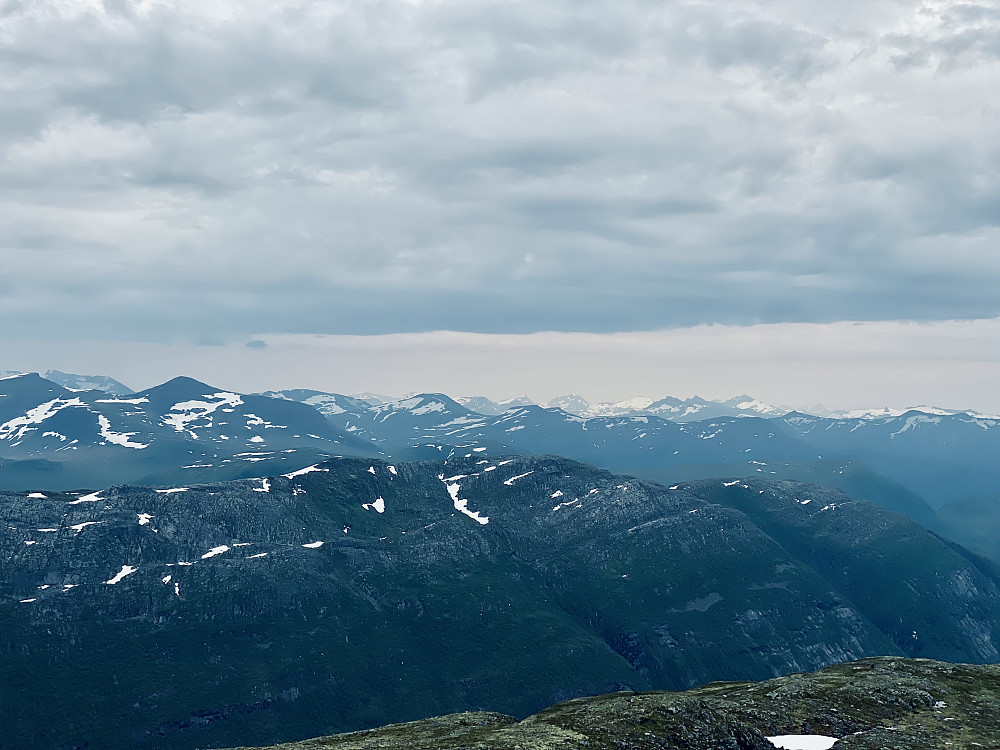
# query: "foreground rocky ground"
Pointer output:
{"type": "Point", "coordinates": [882, 703]}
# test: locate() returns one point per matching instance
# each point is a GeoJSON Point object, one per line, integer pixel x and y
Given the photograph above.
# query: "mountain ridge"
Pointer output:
{"type": "Point", "coordinates": [873, 704]}
{"type": "Point", "coordinates": [358, 591]}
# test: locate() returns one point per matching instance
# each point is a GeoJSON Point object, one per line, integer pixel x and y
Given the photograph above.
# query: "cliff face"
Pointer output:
{"type": "Point", "coordinates": [358, 592]}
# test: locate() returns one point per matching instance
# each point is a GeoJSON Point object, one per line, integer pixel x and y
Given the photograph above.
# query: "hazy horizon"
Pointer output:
{"type": "Point", "coordinates": [843, 366]}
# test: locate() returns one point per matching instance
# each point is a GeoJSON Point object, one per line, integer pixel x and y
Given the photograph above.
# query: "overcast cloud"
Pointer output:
{"type": "Point", "coordinates": [187, 173]}
{"type": "Point", "coordinates": [203, 171]}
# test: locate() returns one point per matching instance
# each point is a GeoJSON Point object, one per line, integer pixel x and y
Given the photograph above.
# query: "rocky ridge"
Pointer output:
{"type": "Point", "coordinates": [873, 704]}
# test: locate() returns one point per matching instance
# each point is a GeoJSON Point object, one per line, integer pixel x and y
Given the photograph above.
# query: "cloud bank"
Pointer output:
{"type": "Point", "coordinates": [842, 365]}
{"type": "Point", "coordinates": [221, 171]}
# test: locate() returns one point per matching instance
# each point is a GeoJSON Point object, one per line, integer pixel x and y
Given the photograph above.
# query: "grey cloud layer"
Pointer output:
{"type": "Point", "coordinates": [180, 169]}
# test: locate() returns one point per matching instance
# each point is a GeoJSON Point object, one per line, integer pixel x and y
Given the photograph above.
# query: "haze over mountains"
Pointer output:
{"type": "Point", "coordinates": [368, 560]}
{"type": "Point", "coordinates": [676, 409]}
{"type": "Point", "coordinates": [183, 431]}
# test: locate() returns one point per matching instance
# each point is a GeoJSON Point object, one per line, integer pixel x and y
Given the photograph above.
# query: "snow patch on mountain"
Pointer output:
{"type": "Point", "coordinates": [462, 505]}
{"type": "Point", "coordinates": [378, 505]}
{"type": "Point", "coordinates": [126, 570]}
{"type": "Point", "coordinates": [118, 438]}
{"type": "Point", "coordinates": [913, 421]}
{"type": "Point", "coordinates": [93, 497]}
{"type": "Point", "coordinates": [510, 482]}
{"type": "Point", "coordinates": [802, 741]}
{"type": "Point", "coordinates": [300, 472]}
{"type": "Point", "coordinates": [185, 413]}
{"type": "Point", "coordinates": [17, 428]}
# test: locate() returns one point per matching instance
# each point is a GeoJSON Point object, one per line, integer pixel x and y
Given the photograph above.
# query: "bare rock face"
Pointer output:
{"type": "Point", "coordinates": [357, 592]}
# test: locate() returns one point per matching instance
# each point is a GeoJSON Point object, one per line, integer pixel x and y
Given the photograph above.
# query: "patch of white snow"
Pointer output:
{"type": "Point", "coordinates": [17, 428]}
{"type": "Point", "coordinates": [510, 482]}
{"type": "Point", "coordinates": [126, 570]}
{"type": "Point", "coordinates": [79, 527]}
{"type": "Point", "coordinates": [378, 506]}
{"type": "Point", "coordinates": [300, 472]}
{"type": "Point", "coordinates": [184, 413]}
{"type": "Point", "coordinates": [802, 741]}
{"type": "Point", "coordinates": [462, 505]}
{"type": "Point", "coordinates": [118, 438]}
{"type": "Point", "coordinates": [93, 497]}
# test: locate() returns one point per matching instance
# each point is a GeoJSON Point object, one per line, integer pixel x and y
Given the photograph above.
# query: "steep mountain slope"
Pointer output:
{"type": "Point", "coordinates": [874, 704]}
{"type": "Point", "coordinates": [850, 476]}
{"type": "Point", "coordinates": [975, 522]}
{"type": "Point", "coordinates": [859, 549]}
{"type": "Point", "coordinates": [942, 457]}
{"type": "Point", "coordinates": [182, 430]}
{"type": "Point", "coordinates": [355, 592]}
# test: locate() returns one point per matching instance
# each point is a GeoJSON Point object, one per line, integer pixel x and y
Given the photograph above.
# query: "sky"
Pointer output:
{"type": "Point", "coordinates": [799, 200]}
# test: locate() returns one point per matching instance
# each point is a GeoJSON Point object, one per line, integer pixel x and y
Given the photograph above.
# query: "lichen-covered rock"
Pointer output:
{"type": "Point", "coordinates": [874, 704]}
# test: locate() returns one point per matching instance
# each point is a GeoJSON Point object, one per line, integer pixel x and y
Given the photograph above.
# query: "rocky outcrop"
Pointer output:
{"type": "Point", "coordinates": [874, 704]}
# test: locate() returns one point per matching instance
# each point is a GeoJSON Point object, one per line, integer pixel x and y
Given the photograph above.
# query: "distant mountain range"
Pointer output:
{"type": "Point", "coordinates": [678, 410]}
{"type": "Point", "coordinates": [183, 431]}
{"type": "Point", "coordinates": [675, 409]}
{"type": "Point", "coordinates": [356, 592]}
{"type": "Point", "coordinates": [80, 382]}
{"type": "Point", "coordinates": [683, 410]}
{"type": "Point", "coordinates": [939, 455]}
